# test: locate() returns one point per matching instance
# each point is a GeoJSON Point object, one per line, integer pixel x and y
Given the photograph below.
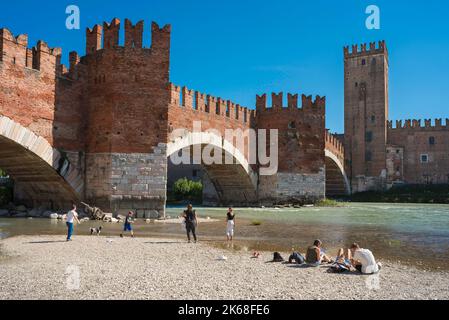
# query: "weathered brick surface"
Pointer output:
{"type": "Point", "coordinates": [413, 139]}
{"type": "Point", "coordinates": [301, 131]}
{"type": "Point", "coordinates": [301, 158]}
{"type": "Point", "coordinates": [366, 110]}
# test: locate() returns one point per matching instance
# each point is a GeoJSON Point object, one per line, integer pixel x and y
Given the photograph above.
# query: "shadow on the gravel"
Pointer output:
{"type": "Point", "coordinates": [328, 267]}
{"type": "Point", "coordinates": [45, 242]}
{"type": "Point", "coordinates": [163, 242]}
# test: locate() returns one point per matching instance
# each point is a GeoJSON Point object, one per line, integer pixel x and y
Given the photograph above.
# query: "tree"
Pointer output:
{"type": "Point", "coordinates": [185, 189]}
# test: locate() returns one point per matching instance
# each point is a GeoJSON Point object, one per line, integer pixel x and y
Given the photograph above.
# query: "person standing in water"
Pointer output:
{"type": "Point", "coordinates": [128, 226]}
{"type": "Point", "coordinates": [230, 217]}
{"type": "Point", "coordinates": [72, 216]}
{"type": "Point", "coordinates": [191, 221]}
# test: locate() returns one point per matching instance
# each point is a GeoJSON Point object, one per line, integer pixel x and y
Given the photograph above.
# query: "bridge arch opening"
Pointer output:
{"type": "Point", "coordinates": [42, 176]}
{"type": "Point", "coordinates": [337, 183]}
{"type": "Point", "coordinates": [224, 184]}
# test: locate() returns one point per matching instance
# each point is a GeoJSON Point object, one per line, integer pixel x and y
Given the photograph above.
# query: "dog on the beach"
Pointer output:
{"type": "Point", "coordinates": [95, 231]}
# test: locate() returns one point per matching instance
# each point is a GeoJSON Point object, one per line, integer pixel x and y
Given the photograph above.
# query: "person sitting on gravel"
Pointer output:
{"type": "Point", "coordinates": [316, 256]}
{"type": "Point", "coordinates": [296, 257]}
{"type": "Point", "coordinates": [363, 260]}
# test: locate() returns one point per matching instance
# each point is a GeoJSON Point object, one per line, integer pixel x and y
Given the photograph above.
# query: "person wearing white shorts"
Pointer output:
{"type": "Point", "coordinates": [230, 218]}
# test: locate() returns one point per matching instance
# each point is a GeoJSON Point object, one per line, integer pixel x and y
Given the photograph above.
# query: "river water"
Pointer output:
{"type": "Point", "coordinates": [409, 233]}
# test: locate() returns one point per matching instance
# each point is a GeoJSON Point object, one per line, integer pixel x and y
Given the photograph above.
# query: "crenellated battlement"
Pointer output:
{"type": "Point", "coordinates": [194, 100]}
{"type": "Point", "coordinates": [418, 124]}
{"type": "Point", "coordinates": [363, 49]}
{"type": "Point", "coordinates": [308, 103]}
{"type": "Point", "coordinates": [14, 50]}
{"type": "Point", "coordinates": [334, 144]}
{"type": "Point", "coordinates": [134, 34]}
{"type": "Point", "coordinates": [110, 34]}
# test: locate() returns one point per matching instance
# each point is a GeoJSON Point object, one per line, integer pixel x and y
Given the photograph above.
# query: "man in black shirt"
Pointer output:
{"type": "Point", "coordinates": [191, 222]}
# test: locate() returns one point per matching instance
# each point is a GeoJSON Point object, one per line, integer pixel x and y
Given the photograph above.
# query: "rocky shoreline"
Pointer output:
{"type": "Point", "coordinates": [21, 211]}
{"type": "Point", "coordinates": [96, 268]}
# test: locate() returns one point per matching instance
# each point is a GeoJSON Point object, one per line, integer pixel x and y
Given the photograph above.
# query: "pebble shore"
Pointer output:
{"type": "Point", "coordinates": [46, 267]}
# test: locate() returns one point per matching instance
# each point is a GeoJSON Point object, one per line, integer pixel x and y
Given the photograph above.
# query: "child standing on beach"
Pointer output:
{"type": "Point", "coordinates": [128, 226]}
{"type": "Point", "coordinates": [72, 216]}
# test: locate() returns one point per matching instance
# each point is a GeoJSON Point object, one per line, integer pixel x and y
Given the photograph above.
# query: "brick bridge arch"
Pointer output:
{"type": "Point", "coordinates": [236, 183]}
{"type": "Point", "coordinates": [337, 182]}
{"type": "Point", "coordinates": [40, 171]}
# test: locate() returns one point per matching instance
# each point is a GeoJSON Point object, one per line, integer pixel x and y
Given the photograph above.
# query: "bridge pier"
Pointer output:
{"type": "Point", "coordinates": [291, 188]}
{"type": "Point", "coordinates": [120, 182]}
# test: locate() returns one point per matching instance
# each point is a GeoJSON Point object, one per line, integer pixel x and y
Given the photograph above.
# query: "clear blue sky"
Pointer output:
{"type": "Point", "coordinates": [236, 49]}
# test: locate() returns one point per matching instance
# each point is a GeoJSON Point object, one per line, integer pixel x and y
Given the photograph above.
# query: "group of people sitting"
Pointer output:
{"type": "Point", "coordinates": [352, 259]}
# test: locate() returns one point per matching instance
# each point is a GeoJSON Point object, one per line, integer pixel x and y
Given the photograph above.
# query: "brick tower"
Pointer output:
{"type": "Point", "coordinates": [366, 115]}
{"type": "Point", "coordinates": [301, 169]}
{"type": "Point", "coordinates": [127, 106]}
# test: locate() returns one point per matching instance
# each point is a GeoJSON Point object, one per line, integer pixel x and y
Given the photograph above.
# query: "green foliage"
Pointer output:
{"type": "Point", "coordinates": [5, 195]}
{"type": "Point", "coordinates": [407, 194]}
{"type": "Point", "coordinates": [328, 203]}
{"type": "Point", "coordinates": [185, 189]}
{"type": "Point", "coordinates": [6, 189]}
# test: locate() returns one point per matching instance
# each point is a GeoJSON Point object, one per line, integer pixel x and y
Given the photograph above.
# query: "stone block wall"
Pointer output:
{"type": "Point", "coordinates": [292, 188]}
{"type": "Point", "coordinates": [121, 182]}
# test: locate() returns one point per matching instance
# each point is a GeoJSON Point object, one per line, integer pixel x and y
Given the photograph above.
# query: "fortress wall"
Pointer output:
{"type": "Point", "coordinates": [413, 139]}
{"type": "Point", "coordinates": [213, 113]}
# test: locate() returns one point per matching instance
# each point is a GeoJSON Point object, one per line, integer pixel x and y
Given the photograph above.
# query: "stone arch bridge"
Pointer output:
{"type": "Point", "coordinates": [102, 132]}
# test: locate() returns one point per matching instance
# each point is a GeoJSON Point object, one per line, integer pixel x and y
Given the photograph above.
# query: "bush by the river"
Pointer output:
{"type": "Point", "coordinates": [185, 189]}
{"type": "Point", "coordinates": [6, 189]}
{"type": "Point", "coordinates": [5, 195]}
{"type": "Point", "coordinates": [328, 203]}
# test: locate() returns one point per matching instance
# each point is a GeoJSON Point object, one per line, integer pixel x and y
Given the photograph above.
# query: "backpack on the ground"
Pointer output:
{"type": "Point", "coordinates": [277, 257]}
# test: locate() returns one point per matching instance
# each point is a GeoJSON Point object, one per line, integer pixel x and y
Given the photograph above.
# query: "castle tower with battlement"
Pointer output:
{"type": "Point", "coordinates": [301, 140]}
{"type": "Point", "coordinates": [366, 114]}
{"type": "Point", "coordinates": [127, 105]}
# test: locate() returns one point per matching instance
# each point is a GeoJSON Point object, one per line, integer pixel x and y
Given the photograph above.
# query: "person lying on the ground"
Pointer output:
{"type": "Point", "coordinates": [297, 258]}
{"type": "Point", "coordinates": [316, 255]}
{"type": "Point", "coordinates": [363, 260]}
{"type": "Point", "coordinates": [344, 257]}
